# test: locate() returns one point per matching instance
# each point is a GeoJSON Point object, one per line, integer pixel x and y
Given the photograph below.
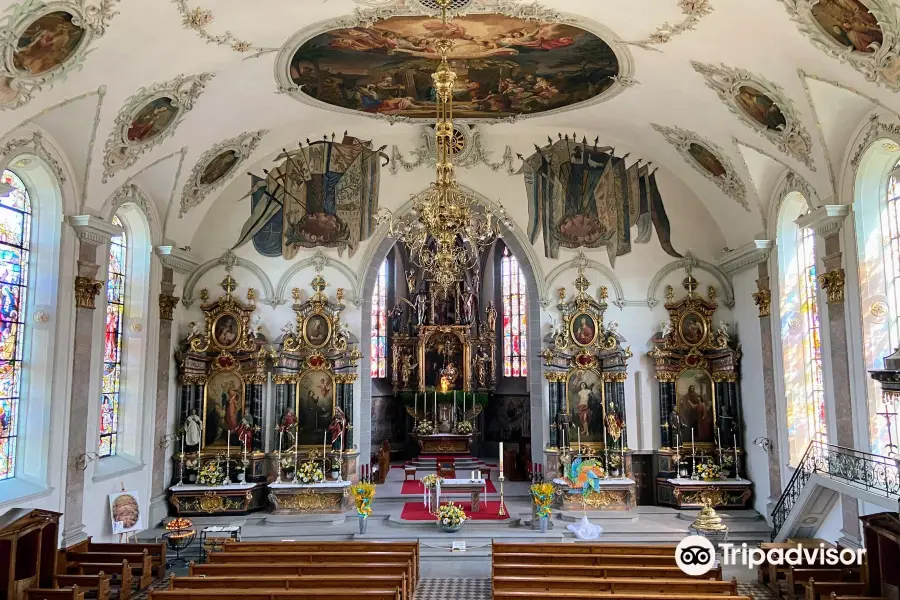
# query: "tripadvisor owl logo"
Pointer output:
{"type": "Point", "coordinates": [695, 555]}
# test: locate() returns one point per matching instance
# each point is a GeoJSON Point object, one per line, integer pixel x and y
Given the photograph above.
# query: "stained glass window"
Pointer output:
{"type": "Point", "coordinates": [15, 234]}
{"type": "Point", "coordinates": [379, 324]}
{"type": "Point", "coordinates": [801, 343]}
{"type": "Point", "coordinates": [512, 290]}
{"type": "Point", "coordinates": [112, 343]}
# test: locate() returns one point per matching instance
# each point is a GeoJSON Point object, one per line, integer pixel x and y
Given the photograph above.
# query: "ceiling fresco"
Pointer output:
{"type": "Point", "coordinates": [506, 66]}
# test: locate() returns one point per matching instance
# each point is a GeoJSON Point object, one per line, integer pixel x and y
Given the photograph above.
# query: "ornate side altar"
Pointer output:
{"type": "Point", "coordinates": [328, 497]}
{"type": "Point", "coordinates": [701, 425]}
{"type": "Point", "coordinates": [232, 498]}
{"type": "Point", "coordinates": [445, 443]}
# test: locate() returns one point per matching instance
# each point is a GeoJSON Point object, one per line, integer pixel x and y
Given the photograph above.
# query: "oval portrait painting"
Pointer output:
{"type": "Point", "coordinates": [219, 167]}
{"type": "Point", "coordinates": [226, 331]}
{"type": "Point", "coordinates": [505, 66]}
{"type": "Point", "coordinates": [47, 43]}
{"type": "Point", "coordinates": [692, 329]}
{"type": "Point", "coordinates": [761, 108]}
{"type": "Point", "coordinates": [707, 160]}
{"type": "Point", "coordinates": [151, 120]}
{"type": "Point", "coordinates": [850, 24]}
{"type": "Point", "coordinates": [317, 330]}
{"type": "Point", "coordinates": [584, 329]}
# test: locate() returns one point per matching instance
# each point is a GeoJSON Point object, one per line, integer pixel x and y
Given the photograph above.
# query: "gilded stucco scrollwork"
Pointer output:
{"type": "Point", "coordinates": [740, 90]}
{"type": "Point", "coordinates": [20, 81]}
{"type": "Point", "coordinates": [123, 147]}
{"type": "Point", "coordinates": [687, 141]}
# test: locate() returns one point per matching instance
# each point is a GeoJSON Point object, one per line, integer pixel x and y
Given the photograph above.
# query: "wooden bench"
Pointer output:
{"type": "Point", "coordinates": [765, 572]}
{"type": "Point", "coordinates": [98, 583]}
{"type": "Point", "coordinates": [795, 579]}
{"type": "Point", "coordinates": [140, 563]}
{"type": "Point", "coordinates": [539, 559]}
{"type": "Point", "coordinates": [637, 571]}
{"type": "Point", "coordinates": [72, 593]}
{"type": "Point", "coordinates": [562, 548]}
{"type": "Point", "coordinates": [540, 585]}
{"type": "Point", "coordinates": [607, 596]}
{"type": "Point", "coordinates": [816, 590]}
{"type": "Point", "coordinates": [336, 568]}
{"type": "Point", "coordinates": [120, 575]}
{"type": "Point", "coordinates": [289, 582]}
{"type": "Point", "coordinates": [157, 552]}
{"type": "Point", "coordinates": [308, 594]}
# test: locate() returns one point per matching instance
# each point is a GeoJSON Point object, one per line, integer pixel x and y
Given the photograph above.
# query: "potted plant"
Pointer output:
{"type": "Point", "coordinates": [363, 493]}
{"type": "Point", "coordinates": [464, 428]}
{"type": "Point", "coordinates": [450, 518]}
{"type": "Point", "coordinates": [542, 494]}
{"type": "Point", "coordinates": [211, 474]}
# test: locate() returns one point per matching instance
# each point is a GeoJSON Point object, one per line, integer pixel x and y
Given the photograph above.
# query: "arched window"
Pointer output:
{"type": "Point", "coordinates": [513, 293]}
{"type": "Point", "coordinates": [112, 343]}
{"type": "Point", "coordinates": [800, 331]}
{"type": "Point", "coordinates": [15, 236]}
{"type": "Point", "coordinates": [379, 324]}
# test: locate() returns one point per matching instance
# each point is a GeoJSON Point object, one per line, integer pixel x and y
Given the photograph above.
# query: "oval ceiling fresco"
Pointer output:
{"type": "Point", "coordinates": [47, 43]}
{"type": "Point", "coordinates": [219, 167]}
{"type": "Point", "coordinates": [849, 23]}
{"type": "Point", "coordinates": [707, 160]}
{"type": "Point", "coordinates": [151, 120]}
{"type": "Point", "coordinates": [505, 66]}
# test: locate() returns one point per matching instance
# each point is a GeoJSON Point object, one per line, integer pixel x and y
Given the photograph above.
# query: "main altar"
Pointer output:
{"type": "Point", "coordinates": [701, 455]}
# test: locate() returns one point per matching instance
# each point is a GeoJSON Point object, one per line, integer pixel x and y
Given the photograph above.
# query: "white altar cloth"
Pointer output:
{"type": "Point", "coordinates": [687, 481]}
{"type": "Point", "coordinates": [305, 486]}
{"type": "Point", "coordinates": [193, 487]}
{"type": "Point", "coordinates": [601, 482]}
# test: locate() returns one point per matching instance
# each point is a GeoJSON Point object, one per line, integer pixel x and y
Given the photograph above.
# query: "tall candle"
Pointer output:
{"type": "Point", "coordinates": [693, 446]}
{"type": "Point", "coordinates": [324, 444]}
{"type": "Point", "coordinates": [182, 445]}
{"type": "Point", "coordinates": [280, 442]}
{"type": "Point", "coordinates": [737, 473]}
{"type": "Point", "coordinates": [417, 406]}
{"type": "Point", "coordinates": [454, 405]}
{"type": "Point", "coordinates": [579, 440]}
{"type": "Point", "coordinates": [435, 411]}
{"type": "Point", "coordinates": [464, 406]}
{"type": "Point", "coordinates": [501, 459]}
{"type": "Point", "coordinates": [228, 445]}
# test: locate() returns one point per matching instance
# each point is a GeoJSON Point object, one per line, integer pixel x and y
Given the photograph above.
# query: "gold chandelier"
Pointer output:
{"type": "Point", "coordinates": [445, 231]}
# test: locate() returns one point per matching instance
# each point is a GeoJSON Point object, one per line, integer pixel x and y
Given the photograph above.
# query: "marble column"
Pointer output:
{"type": "Point", "coordinates": [827, 222]}
{"type": "Point", "coordinates": [94, 235]}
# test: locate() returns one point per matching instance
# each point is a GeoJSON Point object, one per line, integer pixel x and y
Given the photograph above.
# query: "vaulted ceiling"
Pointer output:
{"type": "Point", "coordinates": [226, 63]}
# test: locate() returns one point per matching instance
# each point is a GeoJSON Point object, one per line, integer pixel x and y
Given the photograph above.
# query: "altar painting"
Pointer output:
{"type": "Point", "coordinates": [695, 406]}
{"type": "Point", "coordinates": [584, 400]}
{"type": "Point", "coordinates": [444, 361]}
{"type": "Point", "coordinates": [505, 65]}
{"type": "Point", "coordinates": [315, 404]}
{"type": "Point", "coordinates": [223, 409]}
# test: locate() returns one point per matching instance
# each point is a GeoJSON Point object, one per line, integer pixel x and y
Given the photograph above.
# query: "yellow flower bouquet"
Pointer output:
{"type": "Point", "coordinates": [363, 494]}
{"type": "Point", "coordinates": [542, 494]}
{"type": "Point", "coordinates": [450, 517]}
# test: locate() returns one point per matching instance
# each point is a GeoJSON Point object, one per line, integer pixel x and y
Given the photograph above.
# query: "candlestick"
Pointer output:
{"type": "Point", "coordinates": [579, 441]}
{"type": "Point", "coordinates": [296, 436]}
{"type": "Point", "coordinates": [416, 408]}
{"type": "Point", "coordinates": [324, 445]}
{"type": "Point", "coordinates": [502, 511]}
{"type": "Point", "coordinates": [181, 477]}
{"type": "Point", "coordinates": [454, 406]}
{"type": "Point", "coordinates": [693, 455]}
{"type": "Point", "coordinates": [501, 459]}
{"type": "Point", "coordinates": [228, 456]}
{"type": "Point", "coordinates": [244, 461]}
{"type": "Point", "coordinates": [464, 406]}
{"type": "Point", "coordinates": [280, 442]}
{"type": "Point", "coordinates": [435, 411]}
{"type": "Point", "coordinates": [622, 453]}
{"type": "Point", "coordinates": [737, 472]}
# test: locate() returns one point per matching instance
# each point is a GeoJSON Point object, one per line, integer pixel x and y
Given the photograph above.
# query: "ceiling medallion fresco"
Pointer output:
{"type": "Point", "coordinates": [42, 42]}
{"type": "Point", "coordinates": [761, 105]}
{"type": "Point", "coordinates": [708, 159]}
{"type": "Point", "coordinates": [215, 166]}
{"type": "Point", "coordinates": [863, 33]}
{"type": "Point", "coordinates": [516, 61]}
{"type": "Point", "coordinates": [149, 117]}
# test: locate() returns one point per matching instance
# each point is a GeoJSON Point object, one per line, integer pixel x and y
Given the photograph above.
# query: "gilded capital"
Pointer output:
{"type": "Point", "coordinates": [167, 304]}
{"type": "Point", "coordinates": [86, 289]}
{"type": "Point", "coordinates": [763, 299]}
{"type": "Point", "coordinates": [833, 284]}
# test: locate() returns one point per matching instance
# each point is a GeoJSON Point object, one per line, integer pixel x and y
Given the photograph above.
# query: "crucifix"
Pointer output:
{"type": "Point", "coordinates": [891, 446]}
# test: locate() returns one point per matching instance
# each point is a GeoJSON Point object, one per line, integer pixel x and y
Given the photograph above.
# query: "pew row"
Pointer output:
{"type": "Point", "coordinates": [290, 582]}
{"type": "Point", "coordinates": [541, 585]}
{"type": "Point", "coordinates": [540, 559]}
{"type": "Point", "coordinates": [254, 569]}
{"type": "Point", "coordinates": [568, 548]}
{"type": "Point", "coordinates": [72, 593]}
{"type": "Point", "coordinates": [822, 590]}
{"type": "Point", "coordinates": [603, 571]}
{"type": "Point", "coordinates": [99, 584]}
{"type": "Point", "coordinates": [109, 561]}
{"type": "Point", "coordinates": [554, 595]}
{"type": "Point", "coordinates": [156, 550]}
{"type": "Point", "coordinates": [121, 575]}
{"type": "Point", "coordinates": [308, 594]}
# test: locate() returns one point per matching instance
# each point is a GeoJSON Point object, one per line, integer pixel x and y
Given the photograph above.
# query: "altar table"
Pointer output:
{"type": "Point", "coordinates": [233, 498]}
{"type": "Point", "coordinates": [445, 443]}
{"type": "Point", "coordinates": [328, 497]}
{"type": "Point", "coordinates": [691, 493]}
{"type": "Point", "coordinates": [460, 486]}
{"type": "Point", "coordinates": [614, 493]}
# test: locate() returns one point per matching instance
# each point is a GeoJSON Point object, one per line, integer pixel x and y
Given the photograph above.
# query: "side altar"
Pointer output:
{"type": "Point", "coordinates": [697, 365]}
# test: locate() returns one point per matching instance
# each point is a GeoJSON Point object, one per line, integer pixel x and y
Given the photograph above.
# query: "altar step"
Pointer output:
{"type": "Point", "coordinates": [460, 463]}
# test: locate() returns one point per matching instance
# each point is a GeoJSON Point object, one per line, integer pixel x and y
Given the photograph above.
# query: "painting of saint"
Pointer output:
{"type": "Point", "coordinates": [443, 358]}
{"type": "Point", "coordinates": [584, 329]}
{"type": "Point", "coordinates": [317, 330]}
{"type": "Point", "coordinates": [512, 66]}
{"type": "Point", "coordinates": [219, 167]}
{"type": "Point", "coordinates": [760, 108]}
{"type": "Point", "coordinates": [315, 399]}
{"type": "Point", "coordinates": [151, 120]}
{"type": "Point", "coordinates": [850, 24]}
{"type": "Point", "coordinates": [707, 160]}
{"type": "Point", "coordinates": [585, 405]}
{"type": "Point", "coordinates": [226, 331]}
{"type": "Point", "coordinates": [224, 409]}
{"type": "Point", "coordinates": [693, 329]}
{"type": "Point", "coordinates": [694, 405]}
{"type": "Point", "coordinates": [47, 43]}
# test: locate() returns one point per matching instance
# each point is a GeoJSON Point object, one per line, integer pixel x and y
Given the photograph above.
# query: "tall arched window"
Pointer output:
{"type": "Point", "coordinates": [800, 331]}
{"type": "Point", "coordinates": [15, 235]}
{"type": "Point", "coordinates": [513, 293]}
{"type": "Point", "coordinates": [112, 343]}
{"type": "Point", "coordinates": [379, 324]}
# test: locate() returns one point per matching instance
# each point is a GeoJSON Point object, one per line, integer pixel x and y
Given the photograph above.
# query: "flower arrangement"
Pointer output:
{"type": "Point", "coordinates": [464, 427]}
{"type": "Point", "coordinates": [727, 461]}
{"type": "Point", "coordinates": [363, 493]}
{"type": "Point", "coordinates": [424, 427]}
{"type": "Point", "coordinates": [191, 464]}
{"type": "Point", "coordinates": [542, 494]}
{"type": "Point", "coordinates": [709, 471]}
{"type": "Point", "coordinates": [451, 517]}
{"type": "Point", "coordinates": [211, 474]}
{"type": "Point", "coordinates": [287, 461]}
{"type": "Point", "coordinates": [310, 472]}
{"type": "Point", "coordinates": [429, 481]}
{"type": "Point", "coordinates": [615, 461]}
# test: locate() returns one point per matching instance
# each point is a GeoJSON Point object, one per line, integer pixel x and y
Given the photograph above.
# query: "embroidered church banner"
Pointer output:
{"type": "Point", "coordinates": [323, 194]}
{"type": "Point", "coordinates": [582, 196]}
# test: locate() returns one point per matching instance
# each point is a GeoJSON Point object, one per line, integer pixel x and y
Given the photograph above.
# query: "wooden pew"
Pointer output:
{"type": "Point", "coordinates": [539, 559]}
{"type": "Point", "coordinates": [607, 596]}
{"type": "Point", "coordinates": [562, 548]}
{"type": "Point", "coordinates": [140, 563]}
{"type": "Point", "coordinates": [121, 575]}
{"type": "Point", "coordinates": [157, 552]}
{"type": "Point", "coordinates": [763, 571]}
{"type": "Point", "coordinates": [72, 593]}
{"type": "Point", "coordinates": [539, 585]}
{"type": "Point", "coordinates": [362, 580]}
{"type": "Point", "coordinates": [635, 571]}
{"type": "Point", "coordinates": [822, 590]}
{"type": "Point", "coordinates": [834, 596]}
{"type": "Point", "coordinates": [795, 579]}
{"type": "Point", "coordinates": [254, 569]}
{"type": "Point", "coordinates": [309, 594]}
{"type": "Point", "coordinates": [98, 583]}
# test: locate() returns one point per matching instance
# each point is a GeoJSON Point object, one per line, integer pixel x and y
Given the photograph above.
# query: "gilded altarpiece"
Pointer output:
{"type": "Point", "coordinates": [223, 367]}
{"type": "Point", "coordinates": [701, 458]}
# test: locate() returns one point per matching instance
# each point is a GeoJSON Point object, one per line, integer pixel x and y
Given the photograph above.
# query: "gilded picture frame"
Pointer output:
{"type": "Point", "coordinates": [317, 330]}
{"type": "Point", "coordinates": [226, 330]}
{"type": "Point", "coordinates": [702, 403]}
{"type": "Point", "coordinates": [693, 328]}
{"type": "Point", "coordinates": [584, 329]}
{"type": "Point", "coordinates": [428, 377]}
{"type": "Point", "coordinates": [590, 420]}
{"type": "Point", "coordinates": [224, 403]}
{"type": "Point", "coordinates": [316, 397]}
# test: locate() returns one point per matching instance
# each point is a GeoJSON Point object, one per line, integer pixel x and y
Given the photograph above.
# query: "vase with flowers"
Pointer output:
{"type": "Point", "coordinates": [709, 471]}
{"type": "Point", "coordinates": [450, 518]}
{"type": "Point", "coordinates": [310, 472]}
{"type": "Point", "coordinates": [542, 495]}
{"type": "Point", "coordinates": [464, 428]}
{"type": "Point", "coordinates": [211, 474]}
{"type": "Point", "coordinates": [424, 427]}
{"type": "Point", "coordinates": [363, 494]}
{"type": "Point", "coordinates": [287, 465]}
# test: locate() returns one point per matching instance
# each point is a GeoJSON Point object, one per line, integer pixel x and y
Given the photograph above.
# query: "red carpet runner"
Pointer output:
{"type": "Point", "coordinates": [416, 511]}
{"type": "Point", "coordinates": [415, 487]}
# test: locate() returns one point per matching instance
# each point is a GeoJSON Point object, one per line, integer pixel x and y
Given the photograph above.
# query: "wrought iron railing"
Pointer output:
{"type": "Point", "coordinates": [870, 472]}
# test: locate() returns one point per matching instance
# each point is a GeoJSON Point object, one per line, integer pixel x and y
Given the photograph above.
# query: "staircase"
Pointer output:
{"type": "Point", "coordinates": [824, 474]}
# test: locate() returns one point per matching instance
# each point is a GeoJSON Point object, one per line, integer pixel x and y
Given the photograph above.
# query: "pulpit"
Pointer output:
{"type": "Point", "coordinates": [28, 540]}
{"type": "Point", "coordinates": [882, 536]}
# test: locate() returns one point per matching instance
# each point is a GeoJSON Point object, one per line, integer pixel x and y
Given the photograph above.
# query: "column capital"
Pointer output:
{"type": "Point", "coordinates": [180, 261]}
{"type": "Point", "coordinates": [833, 284]}
{"type": "Point", "coordinates": [167, 304]}
{"type": "Point", "coordinates": [826, 220]}
{"type": "Point", "coordinates": [94, 230]}
{"type": "Point", "coordinates": [763, 299]}
{"type": "Point", "coordinates": [86, 289]}
{"type": "Point", "coordinates": [746, 257]}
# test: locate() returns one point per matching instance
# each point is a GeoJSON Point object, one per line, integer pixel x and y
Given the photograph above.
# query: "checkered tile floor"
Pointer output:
{"type": "Point", "coordinates": [755, 590]}
{"type": "Point", "coordinates": [454, 589]}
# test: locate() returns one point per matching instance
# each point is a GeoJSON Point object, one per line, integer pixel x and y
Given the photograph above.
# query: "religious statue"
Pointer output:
{"type": "Point", "coordinates": [193, 428]}
{"type": "Point", "coordinates": [396, 316]}
{"type": "Point", "coordinates": [244, 430]}
{"type": "Point", "coordinates": [289, 329]}
{"type": "Point", "coordinates": [337, 428]}
{"type": "Point", "coordinates": [469, 305]}
{"type": "Point", "coordinates": [195, 330]}
{"type": "Point", "coordinates": [411, 280]}
{"type": "Point", "coordinates": [584, 408]}
{"type": "Point", "coordinates": [491, 314]}
{"type": "Point", "coordinates": [722, 331]}
{"type": "Point", "coordinates": [288, 422]}
{"type": "Point", "coordinates": [421, 305]}
{"type": "Point", "coordinates": [406, 370]}
{"type": "Point", "coordinates": [666, 328]}
{"type": "Point", "coordinates": [256, 324]}
{"type": "Point", "coordinates": [482, 362]}
{"type": "Point", "coordinates": [612, 327]}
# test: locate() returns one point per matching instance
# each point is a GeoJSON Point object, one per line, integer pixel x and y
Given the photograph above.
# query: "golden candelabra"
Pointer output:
{"type": "Point", "coordinates": [502, 512]}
